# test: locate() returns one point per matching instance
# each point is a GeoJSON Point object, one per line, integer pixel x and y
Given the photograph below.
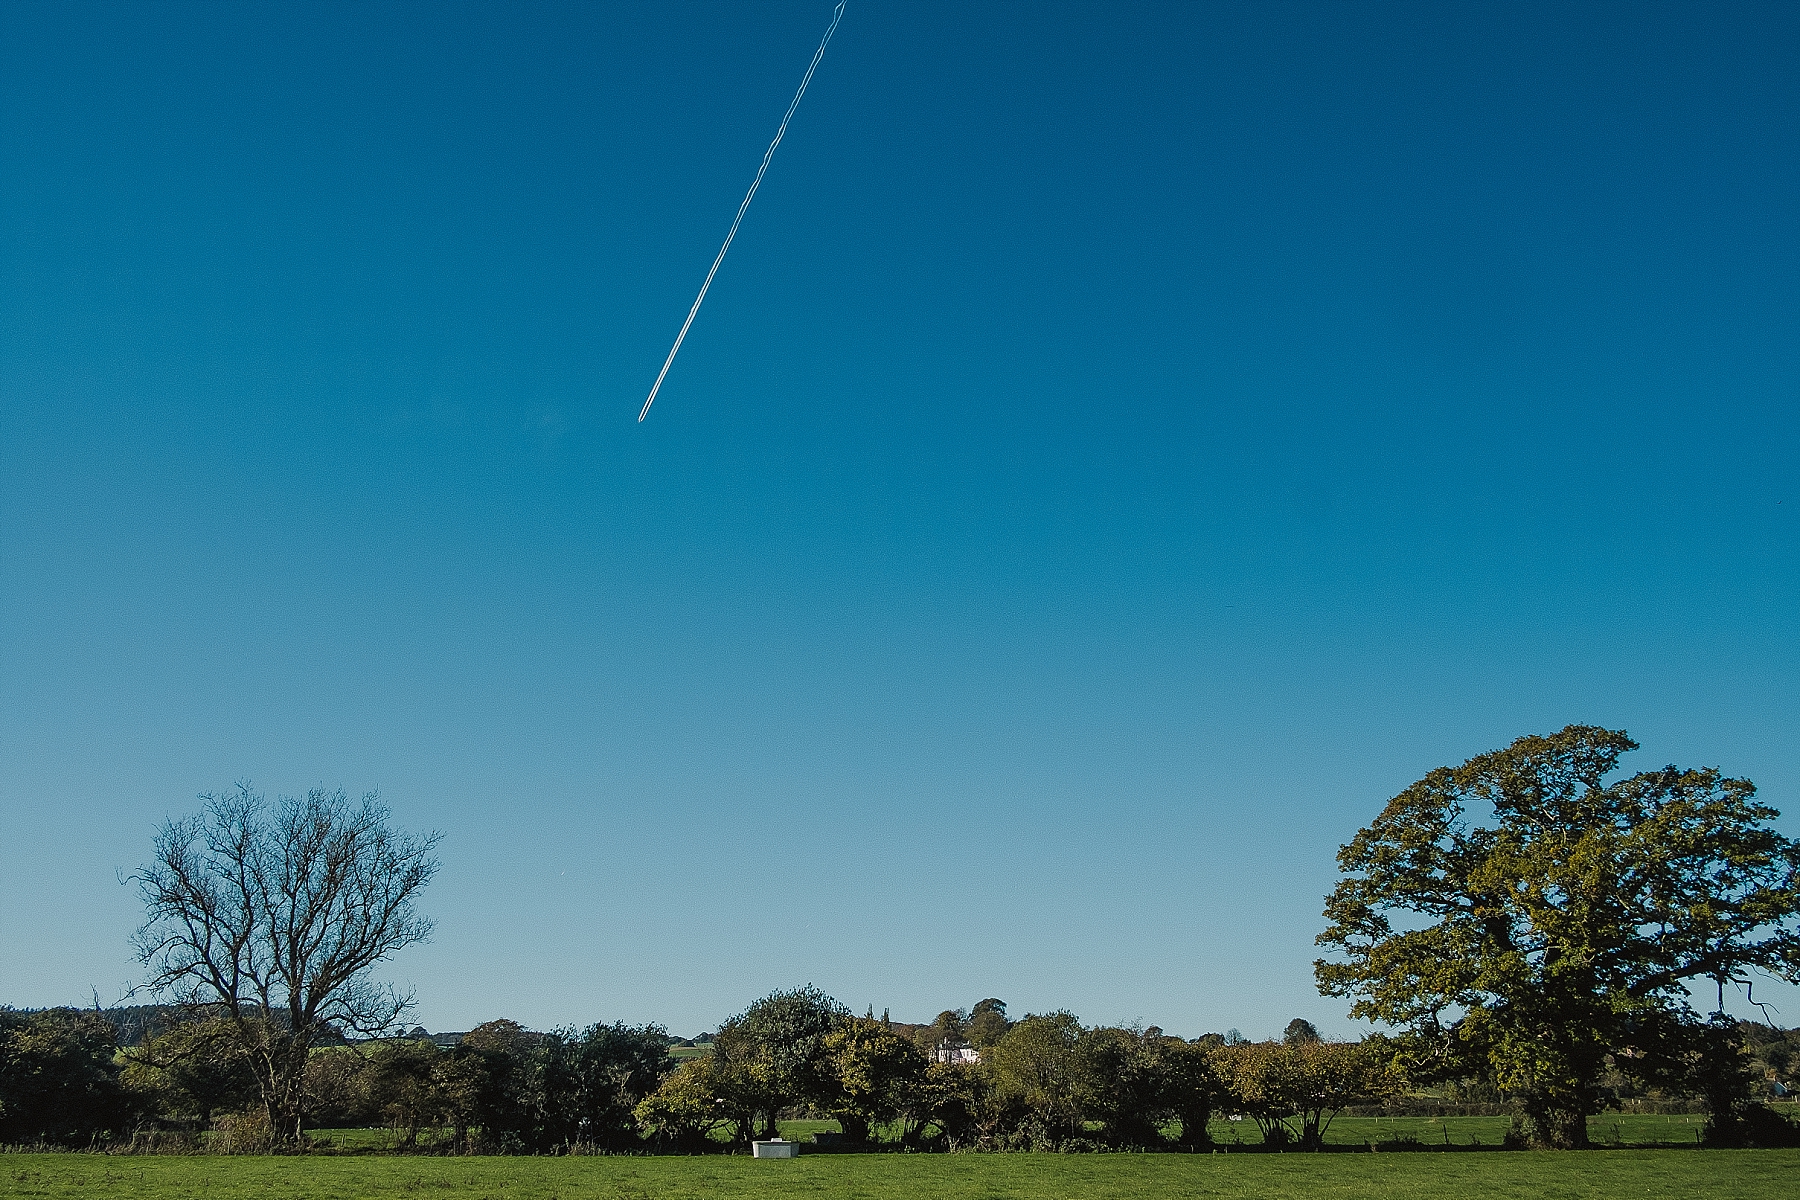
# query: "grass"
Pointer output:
{"type": "Point", "coordinates": [1718, 1175]}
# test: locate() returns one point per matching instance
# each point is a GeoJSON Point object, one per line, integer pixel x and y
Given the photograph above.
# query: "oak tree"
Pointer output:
{"type": "Point", "coordinates": [1530, 919]}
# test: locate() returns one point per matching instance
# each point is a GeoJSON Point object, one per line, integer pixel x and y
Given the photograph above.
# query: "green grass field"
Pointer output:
{"type": "Point", "coordinates": [1674, 1174]}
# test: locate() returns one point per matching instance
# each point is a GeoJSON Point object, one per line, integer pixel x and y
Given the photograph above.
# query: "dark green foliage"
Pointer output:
{"type": "Point", "coordinates": [949, 1030]}
{"type": "Point", "coordinates": [1050, 1083]}
{"type": "Point", "coordinates": [335, 1093]}
{"type": "Point", "coordinates": [960, 1102]}
{"type": "Point", "coordinates": [1721, 1070]}
{"type": "Point", "coordinates": [802, 1047]}
{"type": "Point", "coordinates": [874, 1078]}
{"type": "Point", "coordinates": [399, 1087]}
{"type": "Point", "coordinates": [987, 1023]}
{"type": "Point", "coordinates": [1191, 1088]}
{"type": "Point", "coordinates": [592, 1082]}
{"type": "Point", "coordinates": [491, 1082]}
{"type": "Point", "coordinates": [502, 1088]}
{"type": "Point", "coordinates": [190, 1072]}
{"type": "Point", "coordinates": [1293, 1090]}
{"type": "Point", "coordinates": [1125, 1085]}
{"type": "Point", "coordinates": [58, 1081]}
{"type": "Point", "coordinates": [1774, 1059]}
{"type": "Point", "coordinates": [773, 1055]}
{"type": "Point", "coordinates": [681, 1115]}
{"type": "Point", "coordinates": [1039, 1064]}
{"type": "Point", "coordinates": [1553, 942]}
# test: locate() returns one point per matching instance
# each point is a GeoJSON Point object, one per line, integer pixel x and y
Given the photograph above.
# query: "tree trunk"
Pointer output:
{"type": "Point", "coordinates": [286, 1091]}
{"type": "Point", "coordinates": [1550, 1128]}
{"type": "Point", "coordinates": [1194, 1135]}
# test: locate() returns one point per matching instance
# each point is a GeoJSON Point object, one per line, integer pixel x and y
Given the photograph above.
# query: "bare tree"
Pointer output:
{"type": "Point", "coordinates": [273, 916]}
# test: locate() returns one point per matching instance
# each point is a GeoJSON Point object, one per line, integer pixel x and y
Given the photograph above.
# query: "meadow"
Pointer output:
{"type": "Point", "coordinates": [1719, 1175]}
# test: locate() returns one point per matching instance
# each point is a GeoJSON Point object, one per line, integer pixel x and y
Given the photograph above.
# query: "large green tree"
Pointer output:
{"type": "Point", "coordinates": [987, 1023]}
{"type": "Point", "coordinates": [493, 1082]}
{"type": "Point", "coordinates": [1528, 917]}
{"type": "Point", "coordinates": [773, 1055]}
{"type": "Point", "coordinates": [592, 1082]}
{"type": "Point", "coordinates": [399, 1086]}
{"type": "Point", "coordinates": [1041, 1065]}
{"type": "Point", "coordinates": [1191, 1088]}
{"type": "Point", "coordinates": [1131, 1084]}
{"type": "Point", "coordinates": [874, 1075]}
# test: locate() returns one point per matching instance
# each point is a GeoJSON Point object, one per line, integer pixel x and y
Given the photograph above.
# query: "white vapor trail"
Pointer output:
{"type": "Point", "coordinates": [836, 15]}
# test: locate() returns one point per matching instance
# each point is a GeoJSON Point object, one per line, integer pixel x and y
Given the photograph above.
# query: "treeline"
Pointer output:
{"type": "Point", "coordinates": [1532, 925]}
{"type": "Point", "coordinates": [971, 1080]}
{"type": "Point", "coordinates": [1045, 1082]}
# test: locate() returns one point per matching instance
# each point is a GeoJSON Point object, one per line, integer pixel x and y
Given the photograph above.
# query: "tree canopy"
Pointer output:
{"type": "Point", "coordinates": [1527, 919]}
{"type": "Point", "coordinates": [58, 1083]}
{"type": "Point", "coordinates": [774, 1053]}
{"type": "Point", "coordinates": [273, 917]}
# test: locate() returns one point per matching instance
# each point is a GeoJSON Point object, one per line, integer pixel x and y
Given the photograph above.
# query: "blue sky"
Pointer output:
{"type": "Point", "coordinates": [1123, 448]}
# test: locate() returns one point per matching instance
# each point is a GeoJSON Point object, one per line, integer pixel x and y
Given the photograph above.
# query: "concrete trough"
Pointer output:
{"type": "Point", "coordinates": [775, 1148]}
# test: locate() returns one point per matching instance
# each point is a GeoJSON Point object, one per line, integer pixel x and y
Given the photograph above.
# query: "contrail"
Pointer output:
{"type": "Point", "coordinates": [837, 14]}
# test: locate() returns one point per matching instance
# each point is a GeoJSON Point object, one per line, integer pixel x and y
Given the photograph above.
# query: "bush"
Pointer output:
{"type": "Point", "coordinates": [1752, 1126]}
{"type": "Point", "coordinates": [247, 1132]}
{"type": "Point", "coordinates": [59, 1084]}
{"type": "Point", "coordinates": [682, 1113]}
{"type": "Point", "coordinates": [188, 1073]}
